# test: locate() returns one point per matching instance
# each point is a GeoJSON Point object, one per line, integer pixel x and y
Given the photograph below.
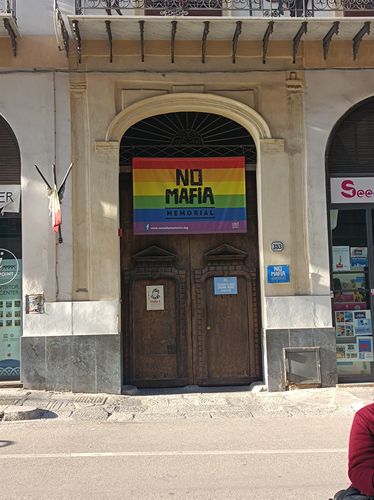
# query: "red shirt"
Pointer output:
{"type": "Point", "coordinates": [361, 451]}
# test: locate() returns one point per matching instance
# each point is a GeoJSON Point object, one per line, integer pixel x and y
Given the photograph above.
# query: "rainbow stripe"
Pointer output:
{"type": "Point", "coordinates": [189, 195]}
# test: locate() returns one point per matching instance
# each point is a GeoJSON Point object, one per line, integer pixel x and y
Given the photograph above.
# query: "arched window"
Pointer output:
{"type": "Point", "coordinates": [350, 181]}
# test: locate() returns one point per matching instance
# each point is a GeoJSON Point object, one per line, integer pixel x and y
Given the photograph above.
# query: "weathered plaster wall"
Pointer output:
{"type": "Point", "coordinates": [37, 108]}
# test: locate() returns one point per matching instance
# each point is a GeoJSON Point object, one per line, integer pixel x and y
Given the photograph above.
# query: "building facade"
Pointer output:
{"type": "Point", "coordinates": [203, 221]}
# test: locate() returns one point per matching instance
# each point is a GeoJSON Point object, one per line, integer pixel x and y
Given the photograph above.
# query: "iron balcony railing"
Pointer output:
{"type": "Point", "coordinates": [255, 8]}
{"type": "Point", "coordinates": [8, 7]}
{"type": "Point", "coordinates": [127, 153]}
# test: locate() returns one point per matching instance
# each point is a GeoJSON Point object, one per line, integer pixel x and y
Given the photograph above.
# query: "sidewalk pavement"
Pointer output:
{"type": "Point", "coordinates": [185, 403]}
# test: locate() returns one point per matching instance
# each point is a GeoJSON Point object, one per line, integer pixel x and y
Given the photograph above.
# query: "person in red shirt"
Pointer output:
{"type": "Point", "coordinates": [360, 457]}
{"type": "Point", "coordinates": [361, 451]}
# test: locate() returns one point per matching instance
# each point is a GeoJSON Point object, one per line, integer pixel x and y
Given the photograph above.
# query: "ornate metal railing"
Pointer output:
{"type": "Point", "coordinates": [8, 7]}
{"type": "Point", "coordinates": [256, 8]}
{"type": "Point", "coordinates": [127, 153]}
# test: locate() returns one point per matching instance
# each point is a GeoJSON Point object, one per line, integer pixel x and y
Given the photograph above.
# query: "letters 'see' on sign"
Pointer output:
{"type": "Point", "coordinates": [352, 189]}
{"type": "Point", "coordinates": [226, 285]}
{"type": "Point", "coordinates": [189, 195]}
{"type": "Point", "coordinates": [278, 274]}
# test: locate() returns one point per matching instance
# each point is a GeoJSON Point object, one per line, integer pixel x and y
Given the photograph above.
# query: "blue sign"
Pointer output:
{"type": "Point", "coordinates": [278, 274]}
{"type": "Point", "coordinates": [226, 286]}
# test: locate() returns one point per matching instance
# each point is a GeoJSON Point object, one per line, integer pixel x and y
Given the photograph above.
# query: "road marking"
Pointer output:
{"type": "Point", "coordinates": [171, 453]}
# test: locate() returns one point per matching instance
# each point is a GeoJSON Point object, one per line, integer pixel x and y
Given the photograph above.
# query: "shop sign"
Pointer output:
{"type": "Point", "coordinates": [352, 189]}
{"type": "Point", "coordinates": [226, 285]}
{"type": "Point", "coordinates": [189, 195]}
{"type": "Point", "coordinates": [278, 274]}
{"type": "Point", "coordinates": [155, 298]}
{"type": "Point", "coordinates": [10, 195]}
{"type": "Point", "coordinates": [10, 315]}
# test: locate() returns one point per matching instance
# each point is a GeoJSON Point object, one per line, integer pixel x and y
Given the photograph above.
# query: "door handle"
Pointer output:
{"type": "Point", "coordinates": [208, 327]}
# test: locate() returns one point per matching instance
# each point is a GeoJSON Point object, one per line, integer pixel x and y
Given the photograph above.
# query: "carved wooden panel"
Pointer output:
{"type": "Point", "coordinates": [227, 333]}
{"type": "Point", "coordinates": [156, 343]}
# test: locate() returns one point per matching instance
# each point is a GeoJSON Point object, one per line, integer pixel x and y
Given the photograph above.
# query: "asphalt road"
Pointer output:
{"type": "Point", "coordinates": [264, 458]}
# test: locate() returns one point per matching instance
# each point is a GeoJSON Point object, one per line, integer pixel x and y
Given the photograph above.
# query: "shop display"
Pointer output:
{"type": "Point", "coordinates": [10, 322]}
{"type": "Point", "coordinates": [353, 323]}
{"type": "Point", "coordinates": [365, 348]}
{"type": "Point", "coordinates": [341, 258]}
{"type": "Point", "coordinates": [359, 258]}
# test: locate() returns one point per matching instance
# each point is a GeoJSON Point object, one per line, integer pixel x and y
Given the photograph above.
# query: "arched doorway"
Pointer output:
{"type": "Point", "coordinates": [10, 254]}
{"type": "Point", "coordinates": [195, 334]}
{"type": "Point", "coordinates": [350, 176]}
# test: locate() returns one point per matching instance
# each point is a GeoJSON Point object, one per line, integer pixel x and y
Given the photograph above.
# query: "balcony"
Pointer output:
{"type": "Point", "coordinates": [231, 8]}
{"type": "Point", "coordinates": [8, 22]}
{"type": "Point", "coordinates": [223, 20]}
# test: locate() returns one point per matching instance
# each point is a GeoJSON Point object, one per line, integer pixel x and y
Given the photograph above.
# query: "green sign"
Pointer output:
{"type": "Point", "coordinates": [10, 315]}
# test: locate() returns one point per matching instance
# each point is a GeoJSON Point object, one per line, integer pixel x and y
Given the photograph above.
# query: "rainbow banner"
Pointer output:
{"type": "Point", "coordinates": [189, 195]}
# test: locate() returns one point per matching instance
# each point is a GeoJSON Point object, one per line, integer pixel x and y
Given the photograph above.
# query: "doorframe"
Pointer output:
{"type": "Point", "coordinates": [269, 150]}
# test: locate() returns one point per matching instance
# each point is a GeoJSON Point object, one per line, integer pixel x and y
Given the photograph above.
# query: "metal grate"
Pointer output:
{"type": "Point", "coordinates": [187, 134]}
{"type": "Point", "coordinates": [10, 162]}
{"type": "Point", "coordinates": [351, 149]}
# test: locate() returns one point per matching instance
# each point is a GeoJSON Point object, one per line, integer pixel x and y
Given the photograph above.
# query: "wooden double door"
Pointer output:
{"type": "Point", "coordinates": [189, 334]}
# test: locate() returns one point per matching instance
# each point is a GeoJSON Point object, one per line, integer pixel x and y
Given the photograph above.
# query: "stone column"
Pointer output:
{"type": "Point", "coordinates": [105, 252]}
{"type": "Point", "coordinates": [81, 188]}
{"type": "Point", "coordinates": [298, 197]}
{"type": "Point", "coordinates": [273, 210]}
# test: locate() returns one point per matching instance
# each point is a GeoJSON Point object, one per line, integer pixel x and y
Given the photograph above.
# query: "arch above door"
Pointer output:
{"type": "Point", "coordinates": [208, 103]}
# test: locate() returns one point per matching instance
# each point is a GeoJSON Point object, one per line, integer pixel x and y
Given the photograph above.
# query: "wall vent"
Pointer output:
{"type": "Point", "coordinates": [302, 367]}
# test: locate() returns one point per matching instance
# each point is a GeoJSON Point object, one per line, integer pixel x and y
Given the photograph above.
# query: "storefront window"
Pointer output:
{"type": "Point", "coordinates": [10, 297]}
{"type": "Point", "coordinates": [352, 291]}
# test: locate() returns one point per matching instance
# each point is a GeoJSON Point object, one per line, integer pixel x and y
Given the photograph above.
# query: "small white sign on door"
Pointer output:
{"type": "Point", "coordinates": [155, 297]}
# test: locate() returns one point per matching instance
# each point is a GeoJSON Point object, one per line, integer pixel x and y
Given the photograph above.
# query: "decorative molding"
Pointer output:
{"type": "Point", "coordinates": [154, 254]}
{"type": "Point", "coordinates": [225, 252]}
{"type": "Point", "coordinates": [107, 147]}
{"type": "Point", "coordinates": [78, 86]}
{"type": "Point", "coordinates": [295, 86]}
{"type": "Point", "coordinates": [273, 145]}
{"type": "Point", "coordinates": [207, 103]}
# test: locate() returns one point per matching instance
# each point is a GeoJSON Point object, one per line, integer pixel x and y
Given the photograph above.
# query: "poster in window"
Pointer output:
{"type": "Point", "coordinates": [362, 322]}
{"type": "Point", "coordinates": [341, 260]}
{"type": "Point", "coordinates": [365, 348]}
{"type": "Point", "coordinates": [344, 324]}
{"type": "Point", "coordinates": [359, 258]}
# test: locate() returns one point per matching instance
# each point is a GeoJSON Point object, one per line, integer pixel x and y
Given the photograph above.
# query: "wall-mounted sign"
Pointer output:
{"type": "Point", "coordinates": [10, 195]}
{"type": "Point", "coordinates": [226, 285]}
{"type": "Point", "coordinates": [35, 303]}
{"type": "Point", "coordinates": [155, 297]}
{"type": "Point", "coordinates": [352, 189]}
{"type": "Point", "coordinates": [277, 246]}
{"type": "Point", "coordinates": [10, 315]}
{"type": "Point", "coordinates": [278, 274]}
{"type": "Point", "coordinates": [189, 195]}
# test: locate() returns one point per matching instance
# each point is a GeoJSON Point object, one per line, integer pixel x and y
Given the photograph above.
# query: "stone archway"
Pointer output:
{"type": "Point", "coordinates": [209, 103]}
{"type": "Point", "coordinates": [269, 152]}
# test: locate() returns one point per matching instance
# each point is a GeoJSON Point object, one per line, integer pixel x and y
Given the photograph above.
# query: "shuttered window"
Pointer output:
{"type": "Point", "coordinates": [10, 162]}
{"type": "Point", "coordinates": [351, 150]}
